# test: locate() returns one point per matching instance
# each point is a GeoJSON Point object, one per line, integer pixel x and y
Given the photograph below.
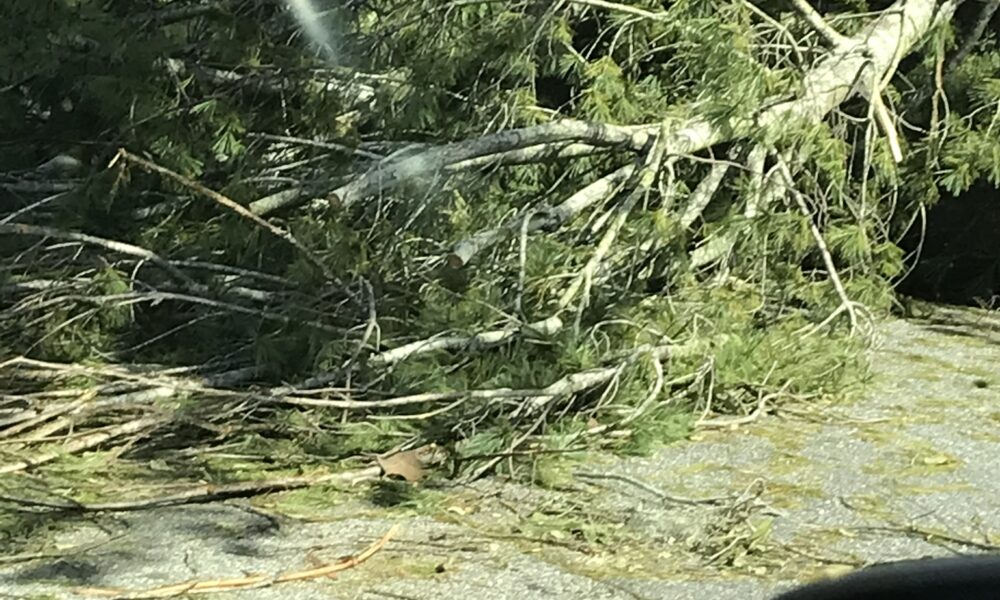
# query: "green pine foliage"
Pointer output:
{"type": "Point", "coordinates": [214, 95]}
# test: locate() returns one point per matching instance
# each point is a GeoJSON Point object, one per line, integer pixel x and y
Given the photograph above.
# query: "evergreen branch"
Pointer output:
{"type": "Point", "coordinates": [232, 205]}
{"type": "Point", "coordinates": [824, 87]}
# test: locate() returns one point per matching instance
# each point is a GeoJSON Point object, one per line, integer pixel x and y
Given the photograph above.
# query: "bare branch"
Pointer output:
{"type": "Point", "coordinates": [114, 246]}
{"type": "Point", "coordinates": [623, 8]}
{"type": "Point", "coordinates": [819, 25]}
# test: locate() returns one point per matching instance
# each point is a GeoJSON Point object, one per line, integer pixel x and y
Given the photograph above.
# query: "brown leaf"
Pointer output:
{"type": "Point", "coordinates": [403, 464]}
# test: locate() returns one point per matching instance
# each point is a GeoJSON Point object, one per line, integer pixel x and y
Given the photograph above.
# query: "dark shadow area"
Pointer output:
{"type": "Point", "coordinates": [958, 254]}
{"type": "Point", "coordinates": [952, 578]}
{"type": "Point", "coordinates": [63, 570]}
{"type": "Point", "coordinates": [963, 322]}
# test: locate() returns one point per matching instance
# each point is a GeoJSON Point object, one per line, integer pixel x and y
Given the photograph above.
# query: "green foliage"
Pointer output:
{"type": "Point", "coordinates": [208, 97]}
{"type": "Point", "coordinates": [658, 429]}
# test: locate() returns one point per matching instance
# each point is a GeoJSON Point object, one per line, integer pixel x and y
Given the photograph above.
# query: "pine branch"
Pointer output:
{"type": "Point", "coordinates": [826, 86]}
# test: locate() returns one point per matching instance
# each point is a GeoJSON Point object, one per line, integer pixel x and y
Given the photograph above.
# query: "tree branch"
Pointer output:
{"type": "Point", "coordinates": [818, 23]}
{"type": "Point", "coordinates": [828, 84]}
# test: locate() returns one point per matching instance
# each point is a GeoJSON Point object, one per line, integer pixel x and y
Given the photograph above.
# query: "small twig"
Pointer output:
{"type": "Point", "coordinates": [513, 446]}
{"type": "Point", "coordinates": [652, 490]}
{"type": "Point", "coordinates": [756, 414]}
{"type": "Point", "coordinates": [198, 495]}
{"type": "Point", "coordinates": [317, 144]}
{"type": "Point", "coordinates": [245, 583]}
{"type": "Point", "coordinates": [114, 246]}
{"type": "Point", "coordinates": [932, 536]}
{"type": "Point", "coordinates": [854, 562]}
{"type": "Point", "coordinates": [831, 268]}
{"type": "Point", "coordinates": [653, 394]}
{"type": "Point", "coordinates": [75, 550]}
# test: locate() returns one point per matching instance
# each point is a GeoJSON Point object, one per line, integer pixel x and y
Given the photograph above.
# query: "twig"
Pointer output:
{"type": "Point", "coordinates": [831, 268]}
{"type": "Point", "coordinates": [244, 583]}
{"type": "Point", "coordinates": [232, 205]}
{"type": "Point", "coordinates": [316, 144]}
{"type": "Point", "coordinates": [756, 414]}
{"type": "Point", "coordinates": [932, 536]}
{"type": "Point", "coordinates": [652, 490]}
{"type": "Point", "coordinates": [482, 470]}
{"type": "Point", "coordinates": [114, 246]}
{"type": "Point", "coordinates": [624, 8]}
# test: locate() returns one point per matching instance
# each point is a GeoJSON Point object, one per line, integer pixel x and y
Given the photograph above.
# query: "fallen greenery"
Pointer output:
{"type": "Point", "coordinates": [552, 241]}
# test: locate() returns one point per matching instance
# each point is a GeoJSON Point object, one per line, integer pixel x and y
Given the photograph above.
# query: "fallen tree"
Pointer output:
{"type": "Point", "coordinates": [595, 223]}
